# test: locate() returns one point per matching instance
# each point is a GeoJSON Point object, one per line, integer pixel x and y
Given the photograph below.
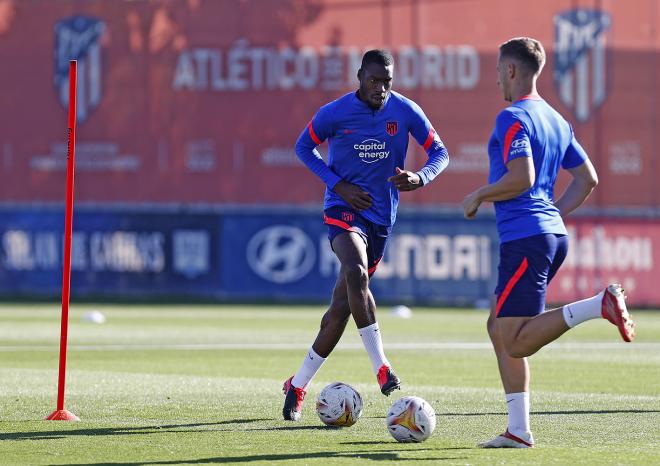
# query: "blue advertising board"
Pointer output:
{"type": "Point", "coordinates": [114, 253]}
{"type": "Point", "coordinates": [431, 258]}
{"type": "Point", "coordinates": [238, 255]}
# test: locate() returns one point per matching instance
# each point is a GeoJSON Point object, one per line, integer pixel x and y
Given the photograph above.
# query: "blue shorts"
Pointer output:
{"type": "Point", "coordinates": [526, 267]}
{"type": "Point", "coordinates": [341, 219]}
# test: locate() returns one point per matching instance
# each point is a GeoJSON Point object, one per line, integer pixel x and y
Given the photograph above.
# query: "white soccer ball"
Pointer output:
{"type": "Point", "coordinates": [339, 404]}
{"type": "Point", "coordinates": [411, 419]}
{"type": "Point", "coordinates": [95, 317]}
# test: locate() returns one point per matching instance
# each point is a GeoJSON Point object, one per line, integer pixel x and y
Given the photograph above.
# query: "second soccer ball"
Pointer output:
{"type": "Point", "coordinates": [411, 419]}
{"type": "Point", "coordinates": [339, 405]}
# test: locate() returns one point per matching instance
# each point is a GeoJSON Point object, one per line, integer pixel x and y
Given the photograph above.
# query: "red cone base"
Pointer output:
{"type": "Point", "coordinates": [62, 415]}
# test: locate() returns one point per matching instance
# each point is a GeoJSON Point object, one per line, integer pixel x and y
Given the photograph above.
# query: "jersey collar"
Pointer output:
{"type": "Point", "coordinates": [530, 97]}
{"type": "Point", "coordinates": [364, 104]}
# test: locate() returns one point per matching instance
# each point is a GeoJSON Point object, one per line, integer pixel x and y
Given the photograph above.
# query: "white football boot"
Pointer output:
{"type": "Point", "coordinates": [508, 440]}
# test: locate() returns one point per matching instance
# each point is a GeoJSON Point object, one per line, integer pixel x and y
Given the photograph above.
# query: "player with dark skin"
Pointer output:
{"type": "Point", "coordinates": [367, 133]}
{"type": "Point", "coordinates": [351, 294]}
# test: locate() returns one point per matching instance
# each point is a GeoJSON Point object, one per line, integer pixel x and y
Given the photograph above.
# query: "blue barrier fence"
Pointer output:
{"type": "Point", "coordinates": [254, 255]}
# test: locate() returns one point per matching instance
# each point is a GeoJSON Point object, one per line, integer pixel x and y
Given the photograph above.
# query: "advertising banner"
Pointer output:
{"type": "Point", "coordinates": [606, 251]}
{"type": "Point", "coordinates": [284, 255]}
{"type": "Point", "coordinates": [115, 254]}
{"type": "Point", "coordinates": [430, 259]}
{"type": "Point", "coordinates": [239, 256]}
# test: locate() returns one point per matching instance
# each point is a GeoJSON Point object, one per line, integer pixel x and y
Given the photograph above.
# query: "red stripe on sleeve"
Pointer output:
{"type": "Point", "coordinates": [312, 134]}
{"type": "Point", "coordinates": [429, 139]}
{"type": "Point", "coordinates": [508, 139]}
{"type": "Point", "coordinates": [510, 284]}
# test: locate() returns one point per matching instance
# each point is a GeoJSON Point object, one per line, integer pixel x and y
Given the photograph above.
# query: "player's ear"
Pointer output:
{"type": "Point", "coordinates": [359, 75]}
{"type": "Point", "coordinates": [512, 69]}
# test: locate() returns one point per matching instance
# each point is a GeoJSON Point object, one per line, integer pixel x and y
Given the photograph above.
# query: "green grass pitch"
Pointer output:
{"type": "Point", "coordinates": [162, 385]}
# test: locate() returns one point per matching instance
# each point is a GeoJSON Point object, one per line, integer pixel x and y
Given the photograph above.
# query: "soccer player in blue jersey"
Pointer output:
{"type": "Point", "coordinates": [367, 133]}
{"type": "Point", "coordinates": [531, 141]}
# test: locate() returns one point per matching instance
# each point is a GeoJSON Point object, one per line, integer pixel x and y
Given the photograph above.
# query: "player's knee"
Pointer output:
{"type": "Point", "coordinates": [517, 349]}
{"type": "Point", "coordinates": [515, 353]}
{"type": "Point", "coordinates": [357, 276]}
{"type": "Point", "coordinates": [491, 326]}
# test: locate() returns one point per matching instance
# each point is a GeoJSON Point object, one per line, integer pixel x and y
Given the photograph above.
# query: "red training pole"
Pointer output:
{"type": "Point", "coordinates": [62, 414]}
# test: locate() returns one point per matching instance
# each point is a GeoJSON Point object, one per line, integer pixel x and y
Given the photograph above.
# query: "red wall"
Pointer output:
{"type": "Point", "coordinates": [184, 116]}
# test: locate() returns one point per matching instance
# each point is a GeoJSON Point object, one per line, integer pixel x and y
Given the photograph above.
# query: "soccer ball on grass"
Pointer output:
{"type": "Point", "coordinates": [339, 405]}
{"type": "Point", "coordinates": [411, 419]}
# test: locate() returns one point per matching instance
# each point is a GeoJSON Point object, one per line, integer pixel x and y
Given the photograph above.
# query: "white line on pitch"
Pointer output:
{"type": "Point", "coordinates": [347, 346]}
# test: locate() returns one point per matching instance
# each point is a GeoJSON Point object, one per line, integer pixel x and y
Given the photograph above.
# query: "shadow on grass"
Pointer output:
{"type": "Point", "coordinates": [413, 446]}
{"type": "Point", "coordinates": [552, 413]}
{"type": "Point", "coordinates": [108, 431]}
{"type": "Point", "coordinates": [385, 455]}
{"type": "Point", "coordinates": [296, 427]}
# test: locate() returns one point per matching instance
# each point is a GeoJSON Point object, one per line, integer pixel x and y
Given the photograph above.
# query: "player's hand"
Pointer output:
{"type": "Point", "coordinates": [405, 180]}
{"type": "Point", "coordinates": [471, 204]}
{"type": "Point", "coordinates": [353, 195]}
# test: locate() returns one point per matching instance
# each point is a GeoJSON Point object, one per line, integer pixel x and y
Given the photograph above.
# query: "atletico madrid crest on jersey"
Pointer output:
{"type": "Point", "coordinates": [391, 127]}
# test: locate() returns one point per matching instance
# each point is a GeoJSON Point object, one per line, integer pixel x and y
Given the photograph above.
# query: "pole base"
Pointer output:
{"type": "Point", "coordinates": [62, 415]}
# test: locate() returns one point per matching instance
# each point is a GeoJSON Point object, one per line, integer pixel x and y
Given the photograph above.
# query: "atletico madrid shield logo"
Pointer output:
{"type": "Point", "coordinates": [391, 127]}
{"type": "Point", "coordinates": [79, 38]}
{"type": "Point", "coordinates": [580, 59]}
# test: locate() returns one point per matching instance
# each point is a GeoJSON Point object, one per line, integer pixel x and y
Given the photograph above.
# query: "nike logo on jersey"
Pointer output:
{"type": "Point", "coordinates": [348, 131]}
{"type": "Point", "coordinates": [569, 311]}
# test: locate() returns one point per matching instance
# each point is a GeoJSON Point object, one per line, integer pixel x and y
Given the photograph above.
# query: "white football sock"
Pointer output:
{"type": "Point", "coordinates": [374, 345]}
{"type": "Point", "coordinates": [587, 309]}
{"type": "Point", "coordinates": [517, 404]}
{"type": "Point", "coordinates": [308, 369]}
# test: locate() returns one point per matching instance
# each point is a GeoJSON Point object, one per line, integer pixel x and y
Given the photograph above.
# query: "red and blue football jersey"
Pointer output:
{"type": "Point", "coordinates": [531, 128]}
{"type": "Point", "coordinates": [366, 145]}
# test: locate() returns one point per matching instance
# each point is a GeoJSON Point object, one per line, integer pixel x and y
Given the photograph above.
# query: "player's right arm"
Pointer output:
{"type": "Point", "coordinates": [584, 179]}
{"type": "Point", "coordinates": [317, 131]}
{"type": "Point", "coordinates": [517, 158]}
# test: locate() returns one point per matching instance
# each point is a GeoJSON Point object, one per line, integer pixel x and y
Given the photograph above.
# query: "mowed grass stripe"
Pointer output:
{"type": "Point", "coordinates": [644, 346]}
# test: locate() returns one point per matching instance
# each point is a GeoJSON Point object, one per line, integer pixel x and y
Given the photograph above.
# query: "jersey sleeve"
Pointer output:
{"type": "Point", "coordinates": [317, 131]}
{"type": "Point", "coordinates": [575, 155]}
{"type": "Point", "coordinates": [513, 136]}
{"type": "Point", "coordinates": [425, 135]}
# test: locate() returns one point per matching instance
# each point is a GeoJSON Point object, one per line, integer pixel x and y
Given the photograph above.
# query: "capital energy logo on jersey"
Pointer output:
{"type": "Point", "coordinates": [580, 68]}
{"type": "Point", "coordinates": [78, 38]}
{"type": "Point", "coordinates": [371, 150]}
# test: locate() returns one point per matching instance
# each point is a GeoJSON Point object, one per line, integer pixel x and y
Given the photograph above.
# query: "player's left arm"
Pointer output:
{"type": "Point", "coordinates": [584, 179]}
{"type": "Point", "coordinates": [438, 157]}
{"type": "Point", "coordinates": [517, 156]}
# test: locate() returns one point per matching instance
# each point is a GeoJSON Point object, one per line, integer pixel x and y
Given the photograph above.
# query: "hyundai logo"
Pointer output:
{"type": "Point", "coordinates": [280, 254]}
